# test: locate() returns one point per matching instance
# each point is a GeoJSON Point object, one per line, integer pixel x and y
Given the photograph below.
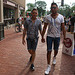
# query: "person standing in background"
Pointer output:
{"type": "Point", "coordinates": [20, 23]}
{"type": "Point", "coordinates": [72, 20]}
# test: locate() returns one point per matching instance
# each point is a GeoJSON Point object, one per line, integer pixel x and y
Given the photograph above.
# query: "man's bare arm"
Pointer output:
{"type": "Point", "coordinates": [63, 29]}
{"type": "Point", "coordinates": [44, 29]}
{"type": "Point", "coordinates": [24, 34]}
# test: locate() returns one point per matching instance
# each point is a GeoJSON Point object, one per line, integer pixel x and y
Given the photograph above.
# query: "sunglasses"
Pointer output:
{"type": "Point", "coordinates": [53, 7]}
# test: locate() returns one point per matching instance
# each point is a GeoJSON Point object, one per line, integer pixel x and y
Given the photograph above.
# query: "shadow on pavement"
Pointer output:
{"type": "Point", "coordinates": [52, 69]}
{"type": "Point", "coordinates": [26, 69]}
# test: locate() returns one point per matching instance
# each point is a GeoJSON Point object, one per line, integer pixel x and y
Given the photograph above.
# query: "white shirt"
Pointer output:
{"type": "Point", "coordinates": [54, 25]}
{"type": "Point", "coordinates": [20, 20]}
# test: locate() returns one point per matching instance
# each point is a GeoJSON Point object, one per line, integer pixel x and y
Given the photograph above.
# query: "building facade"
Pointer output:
{"type": "Point", "coordinates": [10, 10]}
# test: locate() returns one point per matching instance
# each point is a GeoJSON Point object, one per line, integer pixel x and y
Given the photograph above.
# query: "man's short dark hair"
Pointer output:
{"type": "Point", "coordinates": [54, 4]}
{"type": "Point", "coordinates": [33, 9]}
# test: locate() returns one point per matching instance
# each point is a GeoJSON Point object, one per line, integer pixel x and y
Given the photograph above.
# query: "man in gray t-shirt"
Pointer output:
{"type": "Point", "coordinates": [31, 27]}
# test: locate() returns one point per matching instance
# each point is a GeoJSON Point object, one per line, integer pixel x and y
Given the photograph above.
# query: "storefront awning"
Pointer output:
{"type": "Point", "coordinates": [9, 4]}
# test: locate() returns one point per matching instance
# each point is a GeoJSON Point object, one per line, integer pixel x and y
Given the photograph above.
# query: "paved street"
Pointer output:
{"type": "Point", "coordinates": [14, 57]}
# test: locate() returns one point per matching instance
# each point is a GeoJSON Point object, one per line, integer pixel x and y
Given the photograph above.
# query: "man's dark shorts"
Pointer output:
{"type": "Point", "coordinates": [32, 44]}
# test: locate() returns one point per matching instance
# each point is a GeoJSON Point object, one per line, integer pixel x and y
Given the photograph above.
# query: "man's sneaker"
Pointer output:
{"type": "Point", "coordinates": [54, 60]}
{"type": "Point", "coordinates": [48, 69]}
{"type": "Point", "coordinates": [32, 67]}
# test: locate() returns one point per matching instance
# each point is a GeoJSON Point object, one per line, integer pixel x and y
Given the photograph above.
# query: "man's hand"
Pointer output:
{"type": "Point", "coordinates": [42, 40]}
{"type": "Point", "coordinates": [23, 42]}
{"type": "Point", "coordinates": [64, 41]}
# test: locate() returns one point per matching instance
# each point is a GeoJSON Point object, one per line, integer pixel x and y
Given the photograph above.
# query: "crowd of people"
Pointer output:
{"type": "Point", "coordinates": [69, 23]}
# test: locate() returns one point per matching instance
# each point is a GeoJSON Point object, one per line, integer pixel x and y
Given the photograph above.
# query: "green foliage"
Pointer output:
{"type": "Point", "coordinates": [40, 5]}
{"type": "Point", "coordinates": [66, 10]}
{"type": "Point", "coordinates": [30, 6]}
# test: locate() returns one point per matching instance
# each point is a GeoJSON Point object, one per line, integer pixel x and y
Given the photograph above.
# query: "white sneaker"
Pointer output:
{"type": "Point", "coordinates": [48, 69]}
{"type": "Point", "coordinates": [54, 60]}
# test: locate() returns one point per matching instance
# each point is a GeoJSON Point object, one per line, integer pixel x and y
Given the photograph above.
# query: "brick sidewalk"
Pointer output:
{"type": "Point", "coordinates": [14, 57]}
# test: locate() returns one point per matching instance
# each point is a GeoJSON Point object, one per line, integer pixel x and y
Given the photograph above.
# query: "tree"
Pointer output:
{"type": "Point", "coordinates": [66, 10]}
{"type": "Point", "coordinates": [41, 6]}
{"type": "Point", "coordinates": [73, 4]}
{"type": "Point", "coordinates": [30, 6]}
{"type": "Point", "coordinates": [73, 9]}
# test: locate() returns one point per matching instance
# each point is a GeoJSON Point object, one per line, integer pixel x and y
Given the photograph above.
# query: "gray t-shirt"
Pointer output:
{"type": "Point", "coordinates": [32, 28]}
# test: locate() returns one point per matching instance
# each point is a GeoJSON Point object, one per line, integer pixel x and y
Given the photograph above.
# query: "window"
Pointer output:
{"type": "Point", "coordinates": [8, 13]}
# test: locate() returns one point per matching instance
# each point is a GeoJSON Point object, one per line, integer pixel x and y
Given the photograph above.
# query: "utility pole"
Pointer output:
{"type": "Point", "coordinates": [35, 3]}
{"type": "Point", "coordinates": [62, 2]}
{"type": "Point", "coordinates": [58, 3]}
{"type": "Point", "coordinates": [53, 0]}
